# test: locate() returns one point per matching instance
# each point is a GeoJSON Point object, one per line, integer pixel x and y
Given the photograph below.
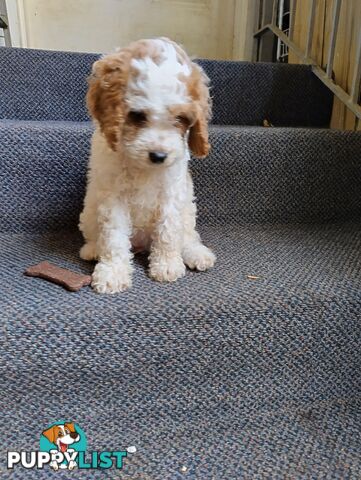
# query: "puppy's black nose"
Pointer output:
{"type": "Point", "coordinates": [73, 435]}
{"type": "Point", "coordinates": [157, 157]}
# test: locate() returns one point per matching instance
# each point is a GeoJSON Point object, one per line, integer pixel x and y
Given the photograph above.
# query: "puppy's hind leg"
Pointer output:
{"type": "Point", "coordinates": [195, 255]}
{"type": "Point", "coordinates": [88, 225]}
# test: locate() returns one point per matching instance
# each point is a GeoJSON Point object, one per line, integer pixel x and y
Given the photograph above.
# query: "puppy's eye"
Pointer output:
{"type": "Point", "coordinates": [67, 431]}
{"type": "Point", "coordinates": [60, 434]}
{"type": "Point", "coordinates": [138, 118]}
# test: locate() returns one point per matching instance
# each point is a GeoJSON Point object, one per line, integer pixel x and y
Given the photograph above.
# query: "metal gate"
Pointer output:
{"type": "Point", "coordinates": [4, 26]}
{"type": "Point", "coordinates": [269, 30]}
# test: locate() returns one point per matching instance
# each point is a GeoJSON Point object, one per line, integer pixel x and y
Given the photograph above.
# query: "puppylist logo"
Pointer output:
{"type": "Point", "coordinates": [63, 447]}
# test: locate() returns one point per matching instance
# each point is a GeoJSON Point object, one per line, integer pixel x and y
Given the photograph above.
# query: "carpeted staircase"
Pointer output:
{"type": "Point", "coordinates": [248, 371]}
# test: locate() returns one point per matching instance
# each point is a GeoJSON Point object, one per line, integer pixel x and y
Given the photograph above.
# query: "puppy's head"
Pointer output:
{"type": "Point", "coordinates": [62, 435]}
{"type": "Point", "coordinates": [150, 101]}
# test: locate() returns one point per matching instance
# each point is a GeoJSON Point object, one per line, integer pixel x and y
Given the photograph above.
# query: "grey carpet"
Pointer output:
{"type": "Point", "coordinates": [253, 175]}
{"type": "Point", "coordinates": [217, 372]}
{"type": "Point", "coordinates": [229, 376]}
{"type": "Point", "coordinates": [38, 85]}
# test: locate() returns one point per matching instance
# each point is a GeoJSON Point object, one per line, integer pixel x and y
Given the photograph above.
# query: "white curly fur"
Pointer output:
{"type": "Point", "coordinates": [132, 202]}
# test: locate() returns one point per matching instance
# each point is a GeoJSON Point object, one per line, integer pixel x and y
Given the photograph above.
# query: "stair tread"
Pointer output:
{"type": "Point", "coordinates": [265, 359]}
{"type": "Point", "coordinates": [308, 265]}
{"type": "Point", "coordinates": [87, 126]}
{"type": "Point", "coordinates": [250, 368]}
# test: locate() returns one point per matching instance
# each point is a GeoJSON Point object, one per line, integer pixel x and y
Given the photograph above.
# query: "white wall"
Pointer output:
{"type": "Point", "coordinates": [205, 27]}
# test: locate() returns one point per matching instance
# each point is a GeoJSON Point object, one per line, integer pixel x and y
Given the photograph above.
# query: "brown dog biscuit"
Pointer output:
{"type": "Point", "coordinates": [70, 280]}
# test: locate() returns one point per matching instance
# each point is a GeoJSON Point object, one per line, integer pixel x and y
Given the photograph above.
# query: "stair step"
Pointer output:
{"type": "Point", "coordinates": [304, 301]}
{"type": "Point", "coordinates": [262, 175]}
{"type": "Point", "coordinates": [247, 93]}
{"type": "Point", "coordinates": [44, 85]}
{"type": "Point", "coordinates": [215, 345]}
{"type": "Point", "coordinates": [253, 175]}
{"type": "Point", "coordinates": [250, 368]}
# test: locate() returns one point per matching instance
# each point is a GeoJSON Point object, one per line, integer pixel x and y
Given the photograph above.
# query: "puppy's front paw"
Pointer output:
{"type": "Point", "coordinates": [111, 277]}
{"type": "Point", "coordinates": [198, 257]}
{"type": "Point", "coordinates": [166, 269]}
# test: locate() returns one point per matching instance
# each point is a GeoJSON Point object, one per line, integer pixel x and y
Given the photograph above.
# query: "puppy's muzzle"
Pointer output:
{"type": "Point", "coordinates": [157, 157]}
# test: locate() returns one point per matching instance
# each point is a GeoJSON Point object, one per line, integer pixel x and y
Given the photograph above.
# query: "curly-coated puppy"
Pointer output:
{"type": "Point", "coordinates": [151, 107]}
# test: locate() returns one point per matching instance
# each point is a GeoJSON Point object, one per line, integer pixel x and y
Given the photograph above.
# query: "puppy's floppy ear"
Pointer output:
{"type": "Point", "coordinates": [50, 434]}
{"type": "Point", "coordinates": [199, 91]}
{"type": "Point", "coordinates": [105, 97]}
{"type": "Point", "coordinates": [70, 425]}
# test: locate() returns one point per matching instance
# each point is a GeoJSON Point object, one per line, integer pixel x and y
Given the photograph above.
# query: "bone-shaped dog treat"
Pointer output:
{"type": "Point", "coordinates": [70, 280]}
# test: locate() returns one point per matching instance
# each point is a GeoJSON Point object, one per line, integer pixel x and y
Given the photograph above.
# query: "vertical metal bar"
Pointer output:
{"type": "Point", "coordinates": [257, 21]}
{"type": "Point", "coordinates": [292, 18]}
{"type": "Point", "coordinates": [331, 51]}
{"type": "Point", "coordinates": [311, 25]}
{"type": "Point", "coordinates": [280, 26]}
{"type": "Point", "coordinates": [258, 16]}
{"type": "Point", "coordinates": [257, 42]}
{"type": "Point", "coordinates": [266, 40]}
{"type": "Point", "coordinates": [274, 13]}
{"type": "Point", "coordinates": [356, 81]}
{"type": "Point", "coordinates": [281, 11]}
{"type": "Point", "coordinates": [267, 12]}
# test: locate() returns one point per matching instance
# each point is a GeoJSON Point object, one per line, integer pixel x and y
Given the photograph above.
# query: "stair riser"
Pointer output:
{"type": "Point", "coordinates": [251, 176]}
{"type": "Point", "coordinates": [279, 175]}
{"type": "Point", "coordinates": [249, 93]}
{"type": "Point", "coordinates": [243, 93]}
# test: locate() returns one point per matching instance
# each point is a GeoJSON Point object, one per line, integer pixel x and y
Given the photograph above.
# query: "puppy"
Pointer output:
{"type": "Point", "coordinates": [62, 436]}
{"type": "Point", "coordinates": [150, 104]}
